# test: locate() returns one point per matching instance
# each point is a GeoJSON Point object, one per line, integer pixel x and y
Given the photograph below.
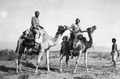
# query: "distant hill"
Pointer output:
{"type": "Point", "coordinates": [92, 49]}
{"type": "Point", "coordinates": [12, 45]}
{"type": "Point", "coordinates": [8, 45]}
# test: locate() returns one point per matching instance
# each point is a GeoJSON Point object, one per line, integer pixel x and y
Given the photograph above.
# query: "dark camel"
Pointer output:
{"type": "Point", "coordinates": [80, 45]}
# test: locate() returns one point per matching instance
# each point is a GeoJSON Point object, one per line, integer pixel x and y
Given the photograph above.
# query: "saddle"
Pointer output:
{"type": "Point", "coordinates": [71, 45]}
{"type": "Point", "coordinates": [72, 37]}
{"type": "Point", "coordinates": [29, 39]}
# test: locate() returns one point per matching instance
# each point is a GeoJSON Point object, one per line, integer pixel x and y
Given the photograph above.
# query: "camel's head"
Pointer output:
{"type": "Point", "coordinates": [61, 29]}
{"type": "Point", "coordinates": [91, 29]}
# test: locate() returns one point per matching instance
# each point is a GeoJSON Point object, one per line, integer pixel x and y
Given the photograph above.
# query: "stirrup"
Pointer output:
{"type": "Point", "coordinates": [36, 45]}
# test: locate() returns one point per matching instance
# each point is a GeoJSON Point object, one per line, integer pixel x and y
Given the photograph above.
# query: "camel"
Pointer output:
{"type": "Point", "coordinates": [45, 44]}
{"type": "Point", "coordinates": [80, 45]}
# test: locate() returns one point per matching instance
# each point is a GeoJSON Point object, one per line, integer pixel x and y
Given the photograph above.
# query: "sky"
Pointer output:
{"type": "Point", "coordinates": [15, 17]}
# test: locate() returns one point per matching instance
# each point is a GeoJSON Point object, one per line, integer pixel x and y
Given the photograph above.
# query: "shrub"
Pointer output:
{"type": "Point", "coordinates": [7, 54]}
{"type": "Point", "coordinates": [101, 55]}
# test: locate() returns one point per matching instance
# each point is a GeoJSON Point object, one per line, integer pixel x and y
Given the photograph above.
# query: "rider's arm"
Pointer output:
{"type": "Point", "coordinates": [41, 27]}
{"type": "Point", "coordinates": [115, 46]}
{"type": "Point", "coordinates": [70, 28]}
{"type": "Point", "coordinates": [82, 30]}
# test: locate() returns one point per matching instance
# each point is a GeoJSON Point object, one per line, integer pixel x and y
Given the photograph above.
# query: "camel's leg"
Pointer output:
{"type": "Point", "coordinates": [18, 63]}
{"type": "Point", "coordinates": [61, 62]}
{"type": "Point", "coordinates": [47, 58]}
{"type": "Point", "coordinates": [19, 51]}
{"type": "Point", "coordinates": [17, 66]}
{"type": "Point", "coordinates": [20, 55]}
{"type": "Point", "coordinates": [78, 58]}
{"type": "Point", "coordinates": [26, 55]}
{"type": "Point", "coordinates": [85, 60]}
{"type": "Point", "coordinates": [66, 61]}
{"type": "Point", "coordinates": [17, 60]}
{"type": "Point", "coordinates": [38, 62]}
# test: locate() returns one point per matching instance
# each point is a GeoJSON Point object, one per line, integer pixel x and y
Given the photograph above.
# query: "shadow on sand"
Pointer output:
{"type": "Point", "coordinates": [7, 69]}
{"type": "Point", "coordinates": [30, 65]}
{"type": "Point", "coordinates": [96, 67]}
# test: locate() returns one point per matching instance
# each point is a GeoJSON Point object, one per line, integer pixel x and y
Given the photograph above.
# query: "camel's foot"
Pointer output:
{"type": "Point", "coordinates": [114, 66]}
{"type": "Point", "coordinates": [61, 71]}
{"type": "Point", "coordinates": [86, 67]}
{"type": "Point", "coordinates": [87, 70]}
{"type": "Point", "coordinates": [70, 70]}
{"type": "Point", "coordinates": [17, 71]}
{"type": "Point", "coordinates": [36, 72]}
{"type": "Point", "coordinates": [21, 71]}
{"type": "Point", "coordinates": [74, 71]}
{"type": "Point", "coordinates": [48, 71]}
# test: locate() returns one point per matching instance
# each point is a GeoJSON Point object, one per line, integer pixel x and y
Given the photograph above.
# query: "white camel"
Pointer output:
{"type": "Point", "coordinates": [46, 43]}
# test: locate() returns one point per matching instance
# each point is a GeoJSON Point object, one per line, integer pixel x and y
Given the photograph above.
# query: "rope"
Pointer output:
{"type": "Point", "coordinates": [47, 34]}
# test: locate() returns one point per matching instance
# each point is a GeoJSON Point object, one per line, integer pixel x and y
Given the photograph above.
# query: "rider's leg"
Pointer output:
{"type": "Point", "coordinates": [36, 35]}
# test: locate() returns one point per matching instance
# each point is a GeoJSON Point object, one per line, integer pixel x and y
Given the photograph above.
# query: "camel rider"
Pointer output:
{"type": "Point", "coordinates": [35, 25]}
{"type": "Point", "coordinates": [74, 29]}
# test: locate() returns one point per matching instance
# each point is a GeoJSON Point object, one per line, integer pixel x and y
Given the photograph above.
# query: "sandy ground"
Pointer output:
{"type": "Point", "coordinates": [99, 65]}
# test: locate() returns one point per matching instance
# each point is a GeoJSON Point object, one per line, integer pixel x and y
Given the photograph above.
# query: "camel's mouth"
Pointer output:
{"type": "Point", "coordinates": [91, 29]}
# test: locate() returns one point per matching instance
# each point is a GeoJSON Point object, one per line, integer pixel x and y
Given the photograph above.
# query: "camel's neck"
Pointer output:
{"type": "Point", "coordinates": [54, 41]}
{"type": "Point", "coordinates": [56, 38]}
{"type": "Point", "coordinates": [88, 44]}
{"type": "Point", "coordinates": [90, 38]}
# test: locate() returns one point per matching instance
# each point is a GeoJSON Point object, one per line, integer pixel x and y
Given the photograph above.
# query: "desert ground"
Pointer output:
{"type": "Point", "coordinates": [99, 66]}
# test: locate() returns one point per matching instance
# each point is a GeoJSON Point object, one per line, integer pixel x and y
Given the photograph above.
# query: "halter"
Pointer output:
{"type": "Point", "coordinates": [61, 30]}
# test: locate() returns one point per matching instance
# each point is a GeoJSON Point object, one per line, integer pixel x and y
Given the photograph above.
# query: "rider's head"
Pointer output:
{"type": "Point", "coordinates": [37, 13]}
{"type": "Point", "coordinates": [77, 20]}
{"type": "Point", "coordinates": [65, 38]}
{"type": "Point", "coordinates": [113, 40]}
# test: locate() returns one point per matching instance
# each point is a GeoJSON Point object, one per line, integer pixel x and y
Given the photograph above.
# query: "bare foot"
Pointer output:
{"type": "Point", "coordinates": [49, 72]}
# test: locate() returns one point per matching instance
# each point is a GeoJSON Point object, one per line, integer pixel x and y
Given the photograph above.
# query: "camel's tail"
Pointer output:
{"type": "Point", "coordinates": [17, 47]}
{"type": "Point", "coordinates": [19, 42]}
